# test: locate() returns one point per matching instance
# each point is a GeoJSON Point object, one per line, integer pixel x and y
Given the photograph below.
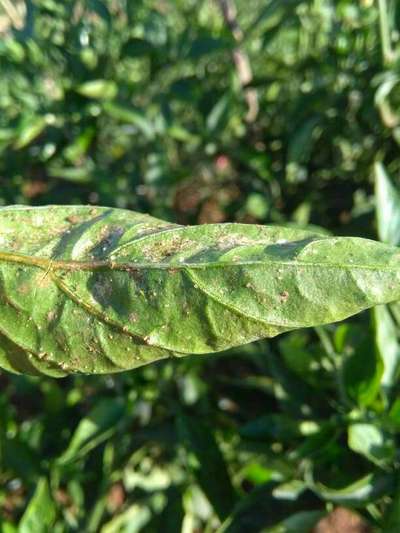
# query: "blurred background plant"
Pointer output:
{"type": "Point", "coordinates": [201, 111]}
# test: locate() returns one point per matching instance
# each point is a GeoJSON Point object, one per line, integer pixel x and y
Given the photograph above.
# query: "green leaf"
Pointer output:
{"type": "Point", "coordinates": [387, 207]}
{"type": "Point", "coordinates": [387, 345]}
{"type": "Point", "coordinates": [274, 425]}
{"type": "Point", "coordinates": [95, 428]}
{"type": "Point", "coordinates": [207, 463]}
{"type": "Point", "coordinates": [268, 12]}
{"type": "Point", "coordinates": [101, 9]}
{"type": "Point", "coordinates": [301, 142]}
{"type": "Point", "coordinates": [301, 522]}
{"type": "Point", "coordinates": [206, 46]}
{"type": "Point", "coordinates": [389, 116]}
{"type": "Point", "coordinates": [363, 490]}
{"type": "Point", "coordinates": [30, 128]}
{"type": "Point", "coordinates": [362, 372]}
{"type": "Point", "coordinates": [98, 290]}
{"type": "Point", "coordinates": [261, 511]}
{"type": "Point", "coordinates": [289, 490]}
{"type": "Point", "coordinates": [98, 89]}
{"type": "Point", "coordinates": [41, 511]}
{"type": "Point", "coordinates": [370, 441]}
{"type": "Point", "coordinates": [131, 116]}
{"type": "Point", "coordinates": [392, 515]}
{"type": "Point", "coordinates": [136, 47]}
{"type": "Point", "coordinates": [79, 174]}
{"type": "Point", "coordinates": [217, 117]}
{"type": "Point", "coordinates": [132, 520]}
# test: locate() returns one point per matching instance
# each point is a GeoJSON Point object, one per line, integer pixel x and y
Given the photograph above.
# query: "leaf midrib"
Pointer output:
{"type": "Point", "coordinates": [52, 264]}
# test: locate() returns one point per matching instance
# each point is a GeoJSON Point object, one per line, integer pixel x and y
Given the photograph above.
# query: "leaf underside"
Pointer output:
{"type": "Point", "coordinates": [98, 290]}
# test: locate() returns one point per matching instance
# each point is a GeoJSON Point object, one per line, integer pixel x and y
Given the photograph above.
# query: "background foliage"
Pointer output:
{"type": "Point", "coordinates": [139, 105]}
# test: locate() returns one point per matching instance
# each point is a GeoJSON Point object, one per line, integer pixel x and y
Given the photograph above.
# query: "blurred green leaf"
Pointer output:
{"type": "Point", "coordinates": [81, 174]}
{"type": "Point", "coordinates": [370, 441]}
{"type": "Point", "coordinates": [206, 45]}
{"type": "Point", "coordinates": [99, 424]}
{"type": "Point", "coordinates": [136, 47]}
{"type": "Point", "coordinates": [357, 494]}
{"type": "Point", "coordinates": [257, 206]}
{"type": "Point", "coordinates": [30, 128]}
{"type": "Point", "coordinates": [361, 373]}
{"type": "Point", "coordinates": [207, 463]}
{"type": "Point", "coordinates": [276, 426]}
{"type": "Point", "coordinates": [382, 99]}
{"type": "Point", "coordinates": [130, 116]}
{"type": "Point", "coordinates": [41, 511]}
{"type": "Point", "coordinates": [289, 490]}
{"type": "Point", "coordinates": [218, 115]}
{"type": "Point", "coordinates": [100, 7]}
{"type": "Point", "coordinates": [98, 89]}
{"type": "Point", "coordinates": [392, 515]}
{"type": "Point", "coordinates": [387, 207]}
{"type": "Point", "coordinates": [387, 346]}
{"type": "Point", "coordinates": [260, 511]}
{"type": "Point", "coordinates": [301, 522]}
{"type": "Point", "coordinates": [132, 520]}
{"type": "Point", "coordinates": [302, 141]}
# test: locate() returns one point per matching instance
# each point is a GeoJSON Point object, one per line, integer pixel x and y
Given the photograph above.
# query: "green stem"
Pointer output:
{"type": "Point", "coordinates": [387, 50]}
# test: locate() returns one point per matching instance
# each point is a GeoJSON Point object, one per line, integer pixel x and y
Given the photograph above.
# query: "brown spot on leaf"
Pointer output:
{"type": "Point", "coordinates": [284, 296]}
{"type": "Point", "coordinates": [51, 315]}
{"type": "Point", "coordinates": [24, 288]}
{"type": "Point", "coordinates": [73, 219]}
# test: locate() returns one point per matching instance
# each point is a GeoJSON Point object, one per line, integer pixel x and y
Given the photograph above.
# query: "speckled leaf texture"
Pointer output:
{"type": "Point", "coordinates": [96, 290]}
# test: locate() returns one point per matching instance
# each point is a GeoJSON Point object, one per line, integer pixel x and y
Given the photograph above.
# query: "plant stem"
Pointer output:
{"type": "Point", "coordinates": [387, 51]}
{"type": "Point", "coordinates": [240, 58]}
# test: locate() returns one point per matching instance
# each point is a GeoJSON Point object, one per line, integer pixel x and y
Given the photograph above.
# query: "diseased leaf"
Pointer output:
{"type": "Point", "coordinates": [98, 290]}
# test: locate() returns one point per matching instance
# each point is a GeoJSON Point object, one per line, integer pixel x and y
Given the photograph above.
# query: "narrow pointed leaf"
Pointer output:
{"type": "Point", "coordinates": [387, 207]}
{"type": "Point", "coordinates": [363, 490]}
{"type": "Point", "coordinates": [387, 345]}
{"type": "Point", "coordinates": [41, 511]}
{"type": "Point", "coordinates": [97, 290]}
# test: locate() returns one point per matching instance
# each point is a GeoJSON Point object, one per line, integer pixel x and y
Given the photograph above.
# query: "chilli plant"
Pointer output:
{"type": "Point", "coordinates": [96, 290]}
{"type": "Point", "coordinates": [265, 121]}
